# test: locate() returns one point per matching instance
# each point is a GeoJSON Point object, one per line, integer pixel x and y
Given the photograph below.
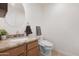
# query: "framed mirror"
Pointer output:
{"type": "Point", "coordinates": [15, 16]}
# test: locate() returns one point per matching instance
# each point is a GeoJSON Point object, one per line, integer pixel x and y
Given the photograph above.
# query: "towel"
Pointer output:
{"type": "Point", "coordinates": [28, 30]}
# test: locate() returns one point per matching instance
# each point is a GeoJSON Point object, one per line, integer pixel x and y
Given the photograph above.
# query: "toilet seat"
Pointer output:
{"type": "Point", "coordinates": [43, 42]}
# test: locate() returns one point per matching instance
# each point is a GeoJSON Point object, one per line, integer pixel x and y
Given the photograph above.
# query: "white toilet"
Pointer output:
{"type": "Point", "coordinates": [46, 47]}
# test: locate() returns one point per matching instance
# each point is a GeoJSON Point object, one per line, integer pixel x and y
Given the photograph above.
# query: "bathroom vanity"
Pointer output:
{"type": "Point", "coordinates": [19, 47]}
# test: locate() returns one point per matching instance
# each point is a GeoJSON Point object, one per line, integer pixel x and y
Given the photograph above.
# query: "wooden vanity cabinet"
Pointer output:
{"type": "Point", "coordinates": [27, 49]}
{"type": "Point", "coordinates": [33, 48]}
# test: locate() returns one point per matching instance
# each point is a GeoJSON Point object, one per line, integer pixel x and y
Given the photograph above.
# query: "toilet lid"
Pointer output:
{"type": "Point", "coordinates": [45, 43]}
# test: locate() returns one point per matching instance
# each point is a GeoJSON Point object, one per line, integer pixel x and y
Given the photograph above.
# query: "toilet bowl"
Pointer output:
{"type": "Point", "coordinates": [46, 47]}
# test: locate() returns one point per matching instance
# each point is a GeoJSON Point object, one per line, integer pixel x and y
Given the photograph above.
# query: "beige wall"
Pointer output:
{"type": "Point", "coordinates": [61, 25]}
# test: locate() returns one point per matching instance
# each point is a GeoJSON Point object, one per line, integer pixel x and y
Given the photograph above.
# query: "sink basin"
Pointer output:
{"type": "Point", "coordinates": [17, 40]}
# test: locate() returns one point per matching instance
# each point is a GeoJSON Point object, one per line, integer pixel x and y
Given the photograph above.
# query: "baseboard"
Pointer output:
{"type": "Point", "coordinates": [64, 53]}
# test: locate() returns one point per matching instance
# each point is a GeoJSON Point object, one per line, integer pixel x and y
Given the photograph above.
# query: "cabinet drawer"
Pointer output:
{"type": "Point", "coordinates": [33, 52]}
{"type": "Point", "coordinates": [32, 45]}
{"type": "Point", "coordinates": [16, 51]}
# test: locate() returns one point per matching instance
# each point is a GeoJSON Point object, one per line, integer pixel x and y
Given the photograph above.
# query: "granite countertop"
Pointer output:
{"type": "Point", "coordinates": [10, 43]}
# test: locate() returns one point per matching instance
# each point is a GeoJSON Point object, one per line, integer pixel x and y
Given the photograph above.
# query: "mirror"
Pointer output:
{"type": "Point", "coordinates": [15, 17]}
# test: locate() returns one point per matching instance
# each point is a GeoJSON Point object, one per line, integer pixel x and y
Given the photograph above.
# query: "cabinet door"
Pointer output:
{"type": "Point", "coordinates": [33, 52]}
{"type": "Point", "coordinates": [16, 51]}
{"type": "Point", "coordinates": [31, 45]}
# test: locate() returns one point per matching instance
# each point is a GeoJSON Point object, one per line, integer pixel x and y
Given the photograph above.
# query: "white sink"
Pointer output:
{"type": "Point", "coordinates": [17, 40]}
